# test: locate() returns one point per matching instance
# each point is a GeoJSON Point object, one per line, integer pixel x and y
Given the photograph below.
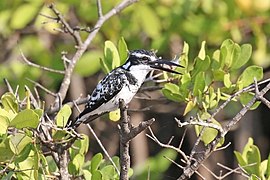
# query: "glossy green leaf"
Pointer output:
{"type": "Point", "coordinates": [123, 50]}
{"type": "Point", "coordinates": [199, 83]}
{"type": "Point", "coordinates": [227, 80]}
{"type": "Point", "coordinates": [25, 118]}
{"type": "Point", "coordinates": [89, 63]}
{"type": "Point", "coordinates": [84, 144]}
{"type": "Point", "coordinates": [63, 116]}
{"type": "Point", "coordinates": [246, 50]}
{"type": "Point", "coordinates": [10, 102]}
{"type": "Point", "coordinates": [23, 15]}
{"type": "Point", "coordinates": [78, 161]}
{"type": "Point", "coordinates": [18, 142]}
{"type": "Point", "coordinates": [201, 65]}
{"type": "Point", "coordinates": [95, 162]}
{"type": "Point", "coordinates": [111, 56]}
{"type": "Point", "coordinates": [184, 56]}
{"type": "Point", "coordinates": [104, 66]}
{"type": "Point", "coordinates": [202, 53]}
{"type": "Point", "coordinates": [253, 157]}
{"type": "Point", "coordinates": [4, 123]}
{"type": "Point", "coordinates": [108, 172]}
{"type": "Point", "coordinates": [209, 133]}
{"type": "Point", "coordinates": [247, 77]}
{"type": "Point", "coordinates": [245, 98]}
{"type": "Point", "coordinates": [215, 63]}
{"type": "Point", "coordinates": [172, 96]}
{"type": "Point", "coordinates": [87, 174]}
{"type": "Point", "coordinates": [190, 106]}
{"type": "Point", "coordinates": [24, 153]}
{"type": "Point", "coordinates": [230, 52]}
{"type": "Point", "coordinates": [97, 175]}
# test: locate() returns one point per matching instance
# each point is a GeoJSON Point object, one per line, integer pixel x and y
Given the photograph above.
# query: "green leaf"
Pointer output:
{"type": "Point", "coordinates": [24, 153]}
{"type": "Point", "coordinates": [84, 144]}
{"type": "Point", "coordinates": [268, 167]}
{"type": "Point", "coordinates": [87, 174]}
{"type": "Point", "coordinates": [25, 118]}
{"type": "Point", "coordinates": [230, 52]}
{"type": "Point", "coordinates": [4, 123]}
{"type": "Point", "coordinates": [201, 65]}
{"type": "Point", "coordinates": [246, 50]}
{"type": "Point", "coordinates": [215, 63]}
{"type": "Point", "coordinates": [89, 63]}
{"type": "Point", "coordinates": [63, 115]}
{"type": "Point", "coordinates": [184, 57]}
{"type": "Point", "coordinates": [202, 51]}
{"type": "Point", "coordinates": [23, 15]}
{"type": "Point", "coordinates": [190, 105]}
{"type": "Point", "coordinates": [199, 83]}
{"type": "Point", "coordinates": [171, 91]}
{"type": "Point", "coordinates": [78, 162]}
{"type": "Point", "coordinates": [5, 152]}
{"type": "Point", "coordinates": [123, 50]}
{"type": "Point", "coordinates": [114, 115]}
{"type": "Point", "coordinates": [18, 142]}
{"type": "Point", "coordinates": [10, 102]}
{"type": "Point", "coordinates": [108, 172]}
{"type": "Point", "coordinates": [247, 77]}
{"type": "Point", "coordinates": [245, 98]}
{"type": "Point", "coordinates": [95, 162]}
{"type": "Point", "coordinates": [104, 66]}
{"type": "Point", "coordinates": [111, 56]}
{"type": "Point", "coordinates": [96, 175]}
{"type": "Point", "coordinates": [253, 157]}
{"type": "Point", "coordinates": [241, 161]}
{"type": "Point", "coordinates": [209, 133]}
{"type": "Point", "coordinates": [227, 81]}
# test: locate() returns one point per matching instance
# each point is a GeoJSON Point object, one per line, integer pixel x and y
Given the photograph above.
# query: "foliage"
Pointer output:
{"type": "Point", "coordinates": [250, 161]}
{"type": "Point", "coordinates": [209, 79]}
{"type": "Point", "coordinates": [21, 152]}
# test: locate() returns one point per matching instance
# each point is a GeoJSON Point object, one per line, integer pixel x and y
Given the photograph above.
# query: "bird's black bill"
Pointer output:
{"type": "Point", "coordinates": [164, 65]}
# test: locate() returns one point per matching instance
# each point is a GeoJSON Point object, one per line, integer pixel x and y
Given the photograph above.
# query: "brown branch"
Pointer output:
{"type": "Point", "coordinates": [127, 132]}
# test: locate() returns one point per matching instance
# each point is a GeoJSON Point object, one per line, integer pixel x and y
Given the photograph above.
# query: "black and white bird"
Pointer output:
{"type": "Point", "coordinates": [122, 83]}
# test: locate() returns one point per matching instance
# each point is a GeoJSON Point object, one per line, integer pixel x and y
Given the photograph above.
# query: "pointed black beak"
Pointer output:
{"type": "Point", "coordinates": [164, 65]}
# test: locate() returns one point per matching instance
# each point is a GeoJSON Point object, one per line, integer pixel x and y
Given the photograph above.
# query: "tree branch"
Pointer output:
{"type": "Point", "coordinates": [209, 149]}
{"type": "Point", "coordinates": [127, 132]}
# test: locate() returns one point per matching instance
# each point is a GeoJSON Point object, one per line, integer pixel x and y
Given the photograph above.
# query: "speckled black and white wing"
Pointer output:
{"type": "Point", "coordinates": [105, 97]}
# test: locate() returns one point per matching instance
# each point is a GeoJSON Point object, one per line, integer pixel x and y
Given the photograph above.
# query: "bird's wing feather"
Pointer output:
{"type": "Point", "coordinates": [105, 91]}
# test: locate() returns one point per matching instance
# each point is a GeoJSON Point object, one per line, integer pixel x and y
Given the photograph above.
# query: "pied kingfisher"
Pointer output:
{"type": "Point", "coordinates": [122, 83]}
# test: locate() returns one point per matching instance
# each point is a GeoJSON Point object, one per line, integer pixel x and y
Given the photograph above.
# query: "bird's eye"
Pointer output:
{"type": "Point", "coordinates": [145, 58]}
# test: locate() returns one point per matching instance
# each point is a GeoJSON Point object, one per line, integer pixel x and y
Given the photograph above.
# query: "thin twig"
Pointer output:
{"type": "Point", "coordinates": [66, 26]}
{"type": "Point", "coordinates": [42, 87]}
{"type": "Point", "coordinates": [155, 139]}
{"type": "Point", "coordinates": [39, 66]}
{"type": "Point", "coordinates": [99, 7]}
{"type": "Point", "coordinates": [199, 123]}
{"type": "Point", "coordinates": [103, 148]}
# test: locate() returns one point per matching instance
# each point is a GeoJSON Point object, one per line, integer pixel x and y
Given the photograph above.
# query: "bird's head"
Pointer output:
{"type": "Point", "coordinates": [148, 60]}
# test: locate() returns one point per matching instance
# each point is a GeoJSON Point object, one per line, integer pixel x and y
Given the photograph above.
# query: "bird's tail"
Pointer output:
{"type": "Point", "coordinates": [82, 119]}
